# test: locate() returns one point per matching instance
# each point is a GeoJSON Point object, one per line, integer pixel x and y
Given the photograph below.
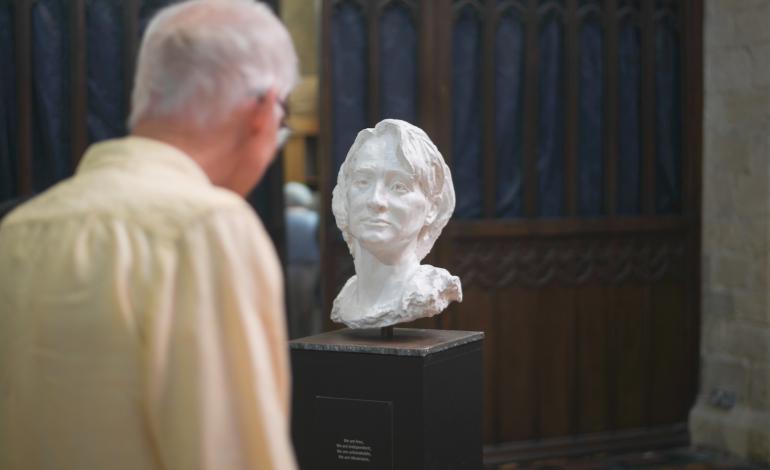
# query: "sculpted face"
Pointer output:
{"type": "Point", "coordinates": [393, 197]}
{"type": "Point", "coordinates": [387, 209]}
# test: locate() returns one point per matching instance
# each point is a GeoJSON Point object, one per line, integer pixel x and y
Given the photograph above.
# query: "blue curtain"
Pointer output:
{"type": "Point", "coordinates": [398, 54]}
{"type": "Point", "coordinates": [668, 129]}
{"type": "Point", "coordinates": [52, 158]}
{"type": "Point", "coordinates": [466, 114]}
{"type": "Point", "coordinates": [107, 110]}
{"type": "Point", "coordinates": [509, 71]}
{"type": "Point", "coordinates": [629, 131]}
{"type": "Point", "coordinates": [550, 153]}
{"type": "Point", "coordinates": [349, 79]}
{"type": "Point", "coordinates": [8, 117]}
{"type": "Point", "coordinates": [591, 120]}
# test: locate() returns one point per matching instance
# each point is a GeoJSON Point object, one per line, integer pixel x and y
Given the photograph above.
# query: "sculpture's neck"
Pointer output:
{"type": "Point", "coordinates": [379, 282]}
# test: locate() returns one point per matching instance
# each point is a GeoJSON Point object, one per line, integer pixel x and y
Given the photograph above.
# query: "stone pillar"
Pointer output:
{"type": "Point", "coordinates": [732, 412]}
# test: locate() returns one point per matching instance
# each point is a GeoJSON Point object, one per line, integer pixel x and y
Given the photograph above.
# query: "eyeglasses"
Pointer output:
{"type": "Point", "coordinates": [284, 131]}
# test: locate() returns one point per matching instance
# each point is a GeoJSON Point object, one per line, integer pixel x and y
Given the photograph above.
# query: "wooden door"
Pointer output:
{"type": "Point", "coordinates": [573, 131]}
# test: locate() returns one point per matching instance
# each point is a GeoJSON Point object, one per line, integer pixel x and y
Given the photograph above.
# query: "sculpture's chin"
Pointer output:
{"type": "Point", "coordinates": [389, 250]}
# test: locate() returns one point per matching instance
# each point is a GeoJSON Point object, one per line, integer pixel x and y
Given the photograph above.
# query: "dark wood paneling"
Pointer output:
{"type": "Point", "coordinates": [593, 384]}
{"type": "Point", "coordinates": [692, 141]}
{"type": "Point", "coordinates": [543, 262]}
{"type": "Point", "coordinates": [691, 89]}
{"type": "Point", "coordinates": [517, 365]}
{"type": "Point", "coordinates": [668, 361]}
{"type": "Point", "coordinates": [629, 353]}
{"type": "Point", "coordinates": [555, 361]}
{"type": "Point", "coordinates": [477, 312]}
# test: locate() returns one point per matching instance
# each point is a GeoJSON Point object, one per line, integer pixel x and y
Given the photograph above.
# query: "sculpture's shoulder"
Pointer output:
{"type": "Point", "coordinates": [428, 291]}
{"type": "Point", "coordinates": [431, 290]}
{"type": "Point", "coordinates": [344, 300]}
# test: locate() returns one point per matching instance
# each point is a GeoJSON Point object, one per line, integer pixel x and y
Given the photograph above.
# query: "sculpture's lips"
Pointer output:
{"type": "Point", "coordinates": [377, 222]}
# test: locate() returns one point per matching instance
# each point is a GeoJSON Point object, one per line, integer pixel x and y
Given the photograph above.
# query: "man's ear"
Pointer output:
{"type": "Point", "coordinates": [262, 111]}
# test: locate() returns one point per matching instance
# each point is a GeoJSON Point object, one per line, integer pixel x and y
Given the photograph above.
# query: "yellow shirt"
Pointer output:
{"type": "Point", "coordinates": [141, 322]}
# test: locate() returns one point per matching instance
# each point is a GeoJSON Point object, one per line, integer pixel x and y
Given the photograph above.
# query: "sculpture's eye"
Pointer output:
{"type": "Point", "coordinates": [361, 182]}
{"type": "Point", "coordinates": [399, 187]}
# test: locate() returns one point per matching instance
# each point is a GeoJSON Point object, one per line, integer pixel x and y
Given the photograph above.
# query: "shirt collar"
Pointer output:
{"type": "Point", "coordinates": [133, 150]}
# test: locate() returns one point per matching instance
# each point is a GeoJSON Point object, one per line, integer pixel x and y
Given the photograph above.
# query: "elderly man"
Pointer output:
{"type": "Point", "coordinates": [141, 316]}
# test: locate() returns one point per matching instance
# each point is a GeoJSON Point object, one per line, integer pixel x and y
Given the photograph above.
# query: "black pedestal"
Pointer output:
{"type": "Point", "coordinates": [412, 401]}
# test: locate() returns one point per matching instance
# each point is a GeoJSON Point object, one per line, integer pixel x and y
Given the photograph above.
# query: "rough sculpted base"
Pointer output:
{"type": "Point", "coordinates": [429, 292]}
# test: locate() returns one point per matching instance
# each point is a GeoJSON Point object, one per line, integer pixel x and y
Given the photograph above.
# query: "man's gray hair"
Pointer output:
{"type": "Point", "coordinates": [422, 158]}
{"type": "Point", "coordinates": [200, 59]}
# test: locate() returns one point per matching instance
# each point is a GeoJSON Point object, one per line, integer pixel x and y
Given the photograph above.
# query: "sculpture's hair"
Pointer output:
{"type": "Point", "coordinates": [199, 59]}
{"type": "Point", "coordinates": [415, 149]}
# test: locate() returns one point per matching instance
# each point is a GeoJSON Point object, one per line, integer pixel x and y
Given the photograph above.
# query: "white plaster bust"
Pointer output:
{"type": "Point", "coordinates": [393, 197]}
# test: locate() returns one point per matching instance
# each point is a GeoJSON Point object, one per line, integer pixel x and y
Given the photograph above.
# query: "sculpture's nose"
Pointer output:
{"type": "Point", "coordinates": [377, 200]}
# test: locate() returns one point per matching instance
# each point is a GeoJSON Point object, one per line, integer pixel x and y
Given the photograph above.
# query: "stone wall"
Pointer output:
{"type": "Point", "coordinates": [733, 408]}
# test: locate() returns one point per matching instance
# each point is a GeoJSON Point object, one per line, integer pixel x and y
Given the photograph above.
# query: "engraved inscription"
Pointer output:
{"type": "Point", "coordinates": [354, 449]}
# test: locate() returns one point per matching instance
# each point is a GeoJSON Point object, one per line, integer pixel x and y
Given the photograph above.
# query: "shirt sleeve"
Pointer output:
{"type": "Point", "coordinates": [217, 393]}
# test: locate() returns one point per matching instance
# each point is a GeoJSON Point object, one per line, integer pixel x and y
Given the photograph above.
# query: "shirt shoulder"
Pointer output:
{"type": "Point", "coordinates": [137, 195]}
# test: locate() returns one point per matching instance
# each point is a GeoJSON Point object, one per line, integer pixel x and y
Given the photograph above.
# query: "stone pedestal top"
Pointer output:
{"type": "Point", "coordinates": [405, 341]}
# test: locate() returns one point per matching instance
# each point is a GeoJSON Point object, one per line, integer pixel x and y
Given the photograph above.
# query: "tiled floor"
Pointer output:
{"type": "Point", "coordinates": [674, 459]}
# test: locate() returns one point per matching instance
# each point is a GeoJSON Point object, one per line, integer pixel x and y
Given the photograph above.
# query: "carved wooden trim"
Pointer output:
{"type": "Point", "coordinates": [589, 8]}
{"type": "Point", "coordinates": [410, 5]}
{"type": "Point", "coordinates": [505, 6]}
{"type": "Point", "coordinates": [551, 7]}
{"type": "Point", "coordinates": [667, 9]}
{"type": "Point", "coordinates": [459, 5]}
{"type": "Point", "coordinates": [537, 262]}
{"type": "Point", "coordinates": [340, 3]}
{"type": "Point", "coordinates": [628, 8]}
